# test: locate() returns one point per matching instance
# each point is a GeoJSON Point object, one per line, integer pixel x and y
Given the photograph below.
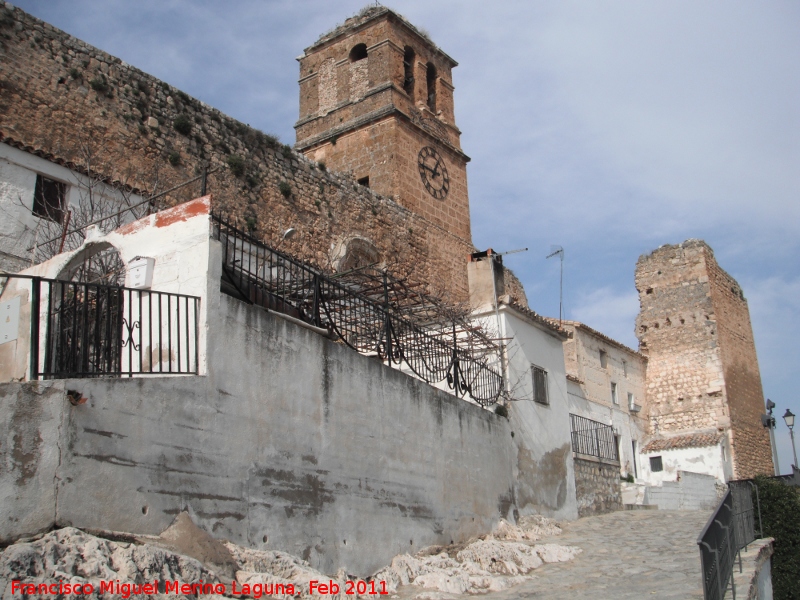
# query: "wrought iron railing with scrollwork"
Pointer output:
{"type": "Point", "coordinates": [91, 330]}
{"type": "Point", "coordinates": [274, 280]}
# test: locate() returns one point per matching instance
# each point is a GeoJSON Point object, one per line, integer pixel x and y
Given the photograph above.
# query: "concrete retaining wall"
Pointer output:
{"type": "Point", "coordinates": [692, 491]}
{"type": "Point", "coordinates": [291, 442]}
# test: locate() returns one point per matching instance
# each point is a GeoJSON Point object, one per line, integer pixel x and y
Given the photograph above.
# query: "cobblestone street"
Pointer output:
{"type": "Point", "coordinates": [626, 554]}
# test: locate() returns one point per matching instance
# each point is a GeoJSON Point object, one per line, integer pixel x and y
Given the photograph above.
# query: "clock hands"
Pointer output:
{"type": "Point", "coordinates": [435, 170]}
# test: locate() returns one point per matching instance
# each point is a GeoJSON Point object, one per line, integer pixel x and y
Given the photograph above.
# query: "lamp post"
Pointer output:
{"type": "Point", "coordinates": [768, 421]}
{"type": "Point", "coordinates": [789, 418]}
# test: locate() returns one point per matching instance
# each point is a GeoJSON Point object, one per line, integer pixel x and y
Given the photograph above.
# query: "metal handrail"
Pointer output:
{"type": "Point", "coordinates": [718, 550]}
{"type": "Point", "coordinates": [745, 512]}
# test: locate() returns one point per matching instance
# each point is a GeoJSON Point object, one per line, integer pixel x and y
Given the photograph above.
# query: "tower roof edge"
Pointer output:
{"type": "Point", "coordinates": [367, 15]}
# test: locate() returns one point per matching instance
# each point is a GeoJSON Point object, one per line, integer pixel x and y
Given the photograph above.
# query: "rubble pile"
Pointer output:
{"type": "Point", "coordinates": [114, 563]}
{"type": "Point", "coordinates": [495, 562]}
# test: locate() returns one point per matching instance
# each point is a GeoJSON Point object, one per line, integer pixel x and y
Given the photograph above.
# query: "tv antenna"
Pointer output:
{"type": "Point", "coordinates": [512, 251]}
{"type": "Point", "coordinates": [559, 251]}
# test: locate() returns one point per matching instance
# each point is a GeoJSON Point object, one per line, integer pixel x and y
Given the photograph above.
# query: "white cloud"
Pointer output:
{"type": "Point", "coordinates": [609, 311]}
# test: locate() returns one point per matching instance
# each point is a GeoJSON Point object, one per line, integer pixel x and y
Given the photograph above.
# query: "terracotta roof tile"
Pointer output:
{"type": "Point", "coordinates": [693, 440]}
{"type": "Point", "coordinates": [536, 317]}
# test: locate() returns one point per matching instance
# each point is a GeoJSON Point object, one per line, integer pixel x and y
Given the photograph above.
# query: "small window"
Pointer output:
{"type": "Point", "coordinates": [431, 81]}
{"type": "Point", "coordinates": [631, 401]}
{"type": "Point", "coordinates": [363, 181]}
{"type": "Point", "coordinates": [655, 464]}
{"type": "Point", "coordinates": [603, 359]}
{"type": "Point", "coordinates": [359, 52]}
{"type": "Point", "coordinates": [539, 385]}
{"type": "Point", "coordinates": [624, 368]}
{"type": "Point", "coordinates": [48, 199]}
{"type": "Point", "coordinates": [614, 396]}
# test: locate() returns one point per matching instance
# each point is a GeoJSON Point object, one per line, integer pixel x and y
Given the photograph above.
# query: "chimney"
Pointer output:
{"type": "Point", "coordinates": [485, 273]}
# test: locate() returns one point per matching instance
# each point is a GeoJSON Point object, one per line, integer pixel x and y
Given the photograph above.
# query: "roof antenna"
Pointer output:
{"type": "Point", "coordinates": [558, 250]}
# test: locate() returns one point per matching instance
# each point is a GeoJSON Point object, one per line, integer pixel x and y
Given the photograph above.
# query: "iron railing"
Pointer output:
{"type": "Point", "coordinates": [91, 330]}
{"type": "Point", "coordinates": [718, 549]}
{"type": "Point", "coordinates": [593, 438]}
{"type": "Point", "coordinates": [746, 514]}
{"type": "Point", "coordinates": [734, 525]}
{"type": "Point", "coordinates": [269, 278]}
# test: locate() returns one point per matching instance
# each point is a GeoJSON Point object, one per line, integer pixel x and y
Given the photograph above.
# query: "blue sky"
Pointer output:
{"type": "Point", "coordinates": [609, 128]}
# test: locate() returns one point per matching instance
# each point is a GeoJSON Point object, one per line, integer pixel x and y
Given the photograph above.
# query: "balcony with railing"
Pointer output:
{"type": "Point", "coordinates": [593, 439]}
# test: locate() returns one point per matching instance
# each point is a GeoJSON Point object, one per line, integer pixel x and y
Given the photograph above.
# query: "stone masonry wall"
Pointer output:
{"type": "Point", "coordinates": [750, 440]}
{"type": "Point", "coordinates": [386, 152]}
{"type": "Point", "coordinates": [375, 128]}
{"type": "Point", "coordinates": [676, 327]}
{"type": "Point", "coordinates": [702, 373]}
{"type": "Point", "coordinates": [597, 487]}
{"type": "Point", "coordinates": [65, 100]}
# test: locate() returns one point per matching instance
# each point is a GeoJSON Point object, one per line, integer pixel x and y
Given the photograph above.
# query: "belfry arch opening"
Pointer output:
{"type": "Point", "coordinates": [409, 56]}
{"type": "Point", "coordinates": [359, 52]}
{"type": "Point", "coordinates": [430, 78]}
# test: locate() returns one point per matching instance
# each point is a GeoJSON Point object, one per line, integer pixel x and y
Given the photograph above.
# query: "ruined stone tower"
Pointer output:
{"type": "Point", "coordinates": [702, 375]}
{"type": "Point", "coordinates": [376, 99]}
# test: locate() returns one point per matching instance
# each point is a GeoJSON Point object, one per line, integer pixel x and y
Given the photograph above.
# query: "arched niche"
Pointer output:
{"type": "Point", "coordinates": [97, 262]}
{"type": "Point", "coordinates": [354, 252]}
{"type": "Point", "coordinates": [359, 72]}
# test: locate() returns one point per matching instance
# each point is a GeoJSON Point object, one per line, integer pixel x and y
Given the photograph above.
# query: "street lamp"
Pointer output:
{"type": "Point", "coordinates": [287, 235]}
{"type": "Point", "coordinates": [768, 421]}
{"type": "Point", "coordinates": [789, 418]}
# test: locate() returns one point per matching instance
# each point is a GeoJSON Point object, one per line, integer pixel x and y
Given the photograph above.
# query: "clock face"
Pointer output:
{"type": "Point", "coordinates": [433, 172]}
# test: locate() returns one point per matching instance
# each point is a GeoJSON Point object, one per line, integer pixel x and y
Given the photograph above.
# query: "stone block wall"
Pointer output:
{"type": "Point", "coordinates": [75, 105]}
{"type": "Point", "coordinates": [750, 440]}
{"type": "Point", "coordinates": [676, 327]}
{"type": "Point", "coordinates": [702, 373]}
{"type": "Point", "coordinates": [597, 487]}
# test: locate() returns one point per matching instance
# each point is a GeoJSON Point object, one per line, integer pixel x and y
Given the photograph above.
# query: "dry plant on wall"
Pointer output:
{"type": "Point", "coordinates": [93, 206]}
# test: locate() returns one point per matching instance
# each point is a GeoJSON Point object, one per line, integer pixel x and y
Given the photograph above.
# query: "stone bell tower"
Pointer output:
{"type": "Point", "coordinates": [376, 99]}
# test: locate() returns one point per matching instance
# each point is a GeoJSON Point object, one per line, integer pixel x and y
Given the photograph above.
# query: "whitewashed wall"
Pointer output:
{"type": "Point", "coordinates": [705, 461]}
{"type": "Point", "coordinates": [18, 225]}
{"type": "Point", "coordinates": [545, 470]}
{"type": "Point", "coordinates": [177, 238]}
